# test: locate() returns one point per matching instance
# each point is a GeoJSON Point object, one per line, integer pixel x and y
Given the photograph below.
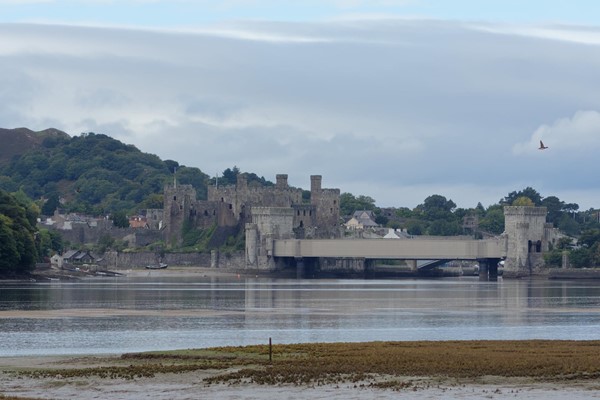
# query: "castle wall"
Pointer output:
{"type": "Point", "coordinates": [242, 197]}
{"type": "Point", "coordinates": [121, 261]}
{"type": "Point", "coordinates": [83, 234]}
{"type": "Point", "coordinates": [229, 206]}
{"type": "Point", "coordinates": [154, 218]}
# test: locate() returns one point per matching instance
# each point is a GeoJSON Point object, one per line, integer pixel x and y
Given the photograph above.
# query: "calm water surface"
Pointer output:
{"type": "Point", "coordinates": [117, 315]}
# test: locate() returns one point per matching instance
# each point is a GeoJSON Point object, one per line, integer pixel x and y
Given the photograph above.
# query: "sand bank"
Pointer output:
{"type": "Point", "coordinates": [379, 370]}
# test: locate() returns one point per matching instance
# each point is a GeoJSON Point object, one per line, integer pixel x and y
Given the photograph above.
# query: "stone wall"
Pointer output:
{"type": "Point", "coordinates": [82, 234]}
{"type": "Point", "coordinates": [118, 261]}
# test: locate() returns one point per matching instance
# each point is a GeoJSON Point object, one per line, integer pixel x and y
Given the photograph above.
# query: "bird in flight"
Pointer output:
{"type": "Point", "coordinates": [542, 147]}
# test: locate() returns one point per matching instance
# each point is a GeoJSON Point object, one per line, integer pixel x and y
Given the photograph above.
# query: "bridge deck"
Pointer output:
{"type": "Point", "coordinates": [405, 249]}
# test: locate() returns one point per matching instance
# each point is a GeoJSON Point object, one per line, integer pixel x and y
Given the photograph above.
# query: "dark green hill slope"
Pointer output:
{"type": "Point", "coordinates": [91, 173]}
{"type": "Point", "coordinates": [16, 142]}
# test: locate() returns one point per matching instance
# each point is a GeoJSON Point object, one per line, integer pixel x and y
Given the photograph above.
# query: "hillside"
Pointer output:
{"type": "Point", "coordinates": [90, 173]}
{"type": "Point", "coordinates": [16, 142]}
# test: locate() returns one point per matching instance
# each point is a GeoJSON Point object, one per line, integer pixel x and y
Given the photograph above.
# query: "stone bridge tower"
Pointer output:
{"type": "Point", "coordinates": [268, 224]}
{"type": "Point", "coordinates": [529, 236]}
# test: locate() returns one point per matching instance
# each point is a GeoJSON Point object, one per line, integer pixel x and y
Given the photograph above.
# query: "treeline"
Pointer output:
{"type": "Point", "coordinates": [21, 243]}
{"type": "Point", "coordinates": [439, 216]}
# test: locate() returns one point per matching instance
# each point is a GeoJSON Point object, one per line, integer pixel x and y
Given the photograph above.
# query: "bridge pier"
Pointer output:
{"type": "Point", "coordinates": [488, 269]}
{"type": "Point", "coordinates": [300, 268]}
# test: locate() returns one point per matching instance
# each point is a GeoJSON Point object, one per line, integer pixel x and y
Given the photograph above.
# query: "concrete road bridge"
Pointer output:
{"type": "Point", "coordinates": [359, 254]}
{"type": "Point", "coordinates": [270, 245]}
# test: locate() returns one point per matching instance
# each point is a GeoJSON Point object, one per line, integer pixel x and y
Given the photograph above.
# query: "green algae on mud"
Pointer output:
{"type": "Point", "coordinates": [376, 364]}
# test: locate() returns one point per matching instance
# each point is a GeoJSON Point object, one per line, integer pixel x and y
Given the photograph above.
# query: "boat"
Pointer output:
{"type": "Point", "coordinates": [157, 266]}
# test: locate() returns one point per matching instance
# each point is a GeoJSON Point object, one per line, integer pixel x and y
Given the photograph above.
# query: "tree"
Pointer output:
{"type": "Point", "coordinates": [171, 165]}
{"type": "Point", "coordinates": [18, 252]}
{"type": "Point", "coordinates": [443, 227]}
{"type": "Point", "coordinates": [153, 201]}
{"type": "Point", "coordinates": [349, 203]}
{"type": "Point", "coordinates": [529, 192]}
{"type": "Point", "coordinates": [229, 176]}
{"type": "Point", "coordinates": [51, 204]}
{"type": "Point", "coordinates": [120, 219]}
{"type": "Point", "coordinates": [437, 207]}
{"type": "Point", "coordinates": [9, 253]}
{"type": "Point", "coordinates": [554, 207]}
{"type": "Point", "coordinates": [523, 201]}
{"type": "Point", "coordinates": [493, 221]}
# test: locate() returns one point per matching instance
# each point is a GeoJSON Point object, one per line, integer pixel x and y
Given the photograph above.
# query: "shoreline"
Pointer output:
{"type": "Point", "coordinates": [53, 274]}
{"type": "Point", "coordinates": [529, 369]}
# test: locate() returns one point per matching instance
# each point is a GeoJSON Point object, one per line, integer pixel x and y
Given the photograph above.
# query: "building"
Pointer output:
{"type": "Point", "coordinates": [229, 207]}
{"type": "Point", "coordinates": [361, 220]}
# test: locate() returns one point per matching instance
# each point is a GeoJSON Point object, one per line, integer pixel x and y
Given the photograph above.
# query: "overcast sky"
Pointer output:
{"type": "Point", "coordinates": [394, 99]}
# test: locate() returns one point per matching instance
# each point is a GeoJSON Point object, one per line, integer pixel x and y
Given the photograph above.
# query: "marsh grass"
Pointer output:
{"type": "Point", "coordinates": [375, 364]}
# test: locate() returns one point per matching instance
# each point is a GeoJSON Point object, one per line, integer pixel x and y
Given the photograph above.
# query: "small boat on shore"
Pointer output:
{"type": "Point", "coordinates": [157, 266]}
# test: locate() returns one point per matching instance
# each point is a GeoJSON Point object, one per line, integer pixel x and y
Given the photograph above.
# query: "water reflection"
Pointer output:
{"type": "Point", "coordinates": [118, 315]}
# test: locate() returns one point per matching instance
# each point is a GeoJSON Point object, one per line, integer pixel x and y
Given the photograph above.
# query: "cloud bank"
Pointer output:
{"type": "Point", "coordinates": [391, 108]}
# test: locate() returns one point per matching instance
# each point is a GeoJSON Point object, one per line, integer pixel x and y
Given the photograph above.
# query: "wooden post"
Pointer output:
{"type": "Point", "coordinates": [270, 351]}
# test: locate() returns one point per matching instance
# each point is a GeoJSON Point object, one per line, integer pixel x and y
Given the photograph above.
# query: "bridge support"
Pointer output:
{"type": "Point", "coordinates": [488, 269]}
{"type": "Point", "coordinates": [412, 264]}
{"type": "Point", "coordinates": [300, 268]}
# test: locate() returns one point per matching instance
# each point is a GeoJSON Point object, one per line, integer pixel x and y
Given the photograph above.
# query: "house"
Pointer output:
{"type": "Point", "coordinates": [78, 257]}
{"type": "Point", "coordinates": [56, 261]}
{"type": "Point", "coordinates": [362, 220]}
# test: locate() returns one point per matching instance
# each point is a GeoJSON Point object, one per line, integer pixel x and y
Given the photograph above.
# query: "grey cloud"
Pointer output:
{"type": "Point", "coordinates": [395, 107]}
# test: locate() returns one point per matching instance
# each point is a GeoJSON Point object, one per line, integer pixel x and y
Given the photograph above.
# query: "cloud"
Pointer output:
{"type": "Point", "coordinates": [581, 132]}
{"type": "Point", "coordinates": [395, 109]}
{"type": "Point", "coordinates": [568, 33]}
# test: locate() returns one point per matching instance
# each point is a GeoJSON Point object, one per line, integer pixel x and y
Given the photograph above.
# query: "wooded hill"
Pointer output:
{"type": "Point", "coordinates": [91, 173]}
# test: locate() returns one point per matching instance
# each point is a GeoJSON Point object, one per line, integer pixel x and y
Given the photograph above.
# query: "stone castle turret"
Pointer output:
{"type": "Point", "coordinates": [529, 236]}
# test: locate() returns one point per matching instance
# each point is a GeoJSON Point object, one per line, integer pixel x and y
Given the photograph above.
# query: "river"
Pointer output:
{"type": "Point", "coordinates": [130, 314]}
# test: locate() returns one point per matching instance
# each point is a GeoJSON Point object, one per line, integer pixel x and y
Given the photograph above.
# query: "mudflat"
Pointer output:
{"type": "Point", "coordinates": [529, 369]}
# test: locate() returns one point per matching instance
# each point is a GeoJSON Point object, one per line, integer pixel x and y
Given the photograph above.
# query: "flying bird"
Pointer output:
{"type": "Point", "coordinates": [542, 147]}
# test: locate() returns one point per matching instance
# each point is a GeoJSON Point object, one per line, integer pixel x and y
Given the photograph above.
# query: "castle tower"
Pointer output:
{"type": "Point", "coordinates": [327, 208]}
{"type": "Point", "coordinates": [315, 186]}
{"type": "Point", "coordinates": [268, 224]}
{"type": "Point", "coordinates": [179, 205]}
{"type": "Point", "coordinates": [282, 181]}
{"type": "Point", "coordinates": [526, 230]}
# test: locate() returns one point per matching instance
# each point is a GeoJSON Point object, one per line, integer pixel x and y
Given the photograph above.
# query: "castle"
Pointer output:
{"type": "Point", "coordinates": [230, 208]}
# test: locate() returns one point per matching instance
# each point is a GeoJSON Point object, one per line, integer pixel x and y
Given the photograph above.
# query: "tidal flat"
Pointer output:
{"type": "Point", "coordinates": [529, 369]}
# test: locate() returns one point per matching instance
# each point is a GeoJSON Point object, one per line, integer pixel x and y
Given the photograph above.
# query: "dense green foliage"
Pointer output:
{"type": "Point", "coordinates": [21, 244]}
{"type": "Point", "coordinates": [18, 252]}
{"type": "Point", "coordinates": [94, 174]}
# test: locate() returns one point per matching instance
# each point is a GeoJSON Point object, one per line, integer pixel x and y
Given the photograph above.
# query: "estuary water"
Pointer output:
{"type": "Point", "coordinates": [131, 314]}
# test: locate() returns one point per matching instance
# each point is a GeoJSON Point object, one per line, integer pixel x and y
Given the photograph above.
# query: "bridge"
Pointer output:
{"type": "Point", "coordinates": [362, 251]}
{"type": "Point", "coordinates": [443, 248]}
{"type": "Point", "coordinates": [270, 245]}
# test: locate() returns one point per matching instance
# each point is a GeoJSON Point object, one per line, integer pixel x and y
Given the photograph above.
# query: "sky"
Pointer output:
{"type": "Point", "coordinates": [393, 99]}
